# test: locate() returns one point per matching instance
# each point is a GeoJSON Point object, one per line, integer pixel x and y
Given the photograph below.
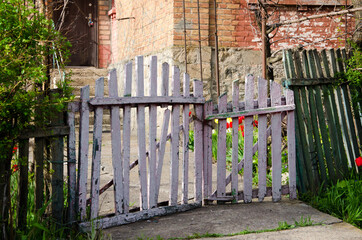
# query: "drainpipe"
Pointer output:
{"type": "Point", "coordinates": [198, 18]}
{"type": "Point", "coordinates": [184, 10]}
{"type": "Point", "coordinates": [263, 37]}
{"type": "Point", "coordinates": [216, 54]}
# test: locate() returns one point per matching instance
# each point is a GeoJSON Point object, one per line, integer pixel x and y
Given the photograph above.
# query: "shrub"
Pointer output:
{"type": "Point", "coordinates": [27, 38]}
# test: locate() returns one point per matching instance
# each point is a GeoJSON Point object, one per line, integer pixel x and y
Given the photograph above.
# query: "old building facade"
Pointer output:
{"type": "Point", "coordinates": [125, 29]}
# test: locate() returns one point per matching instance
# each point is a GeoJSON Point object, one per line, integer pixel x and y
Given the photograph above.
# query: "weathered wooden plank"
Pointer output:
{"type": "Point", "coordinates": [146, 100]}
{"type": "Point", "coordinates": [308, 110]}
{"type": "Point", "coordinates": [54, 131]}
{"type": "Point", "coordinates": [300, 158]}
{"type": "Point", "coordinates": [305, 156]}
{"type": "Point", "coordinates": [291, 148]}
{"type": "Point", "coordinates": [164, 84]}
{"type": "Point", "coordinates": [141, 135]}
{"type": "Point", "coordinates": [185, 154]}
{"type": "Point", "coordinates": [117, 162]}
{"type": "Point", "coordinates": [276, 143]}
{"type": "Point", "coordinates": [108, 222]}
{"type": "Point", "coordinates": [175, 151]}
{"type": "Point", "coordinates": [327, 102]}
{"type": "Point", "coordinates": [39, 150]}
{"type": "Point", "coordinates": [221, 148]}
{"type": "Point", "coordinates": [357, 109]}
{"type": "Point", "coordinates": [242, 105]}
{"type": "Point", "coordinates": [126, 136]}
{"type": "Point", "coordinates": [314, 57]}
{"type": "Point", "coordinates": [339, 59]}
{"type": "Point", "coordinates": [23, 183]}
{"type": "Point", "coordinates": [335, 128]}
{"type": "Point", "coordinates": [262, 139]}
{"type": "Point", "coordinates": [83, 152]}
{"type": "Point", "coordinates": [72, 171]}
{"type": "Point", "coordinates": [255, 193]}
{"type": "Point", "coordinates": [241, 163]}
{"type": "Point", "coordinates": [207, 163]}
{"type": "Point", "coordinates": [343, 111]}
{"type": "Point", "coordinates": [345, 142]}
{"type": "Point", "coordinates": [57, 165]}
{"type": "Point", "coordinates": [96, 153]}
{"type": "Point", "coordinates": [252, 112]}
{"type": "Point", "coordinates": [315, 105]}
{"type": "Point", "coordinates": [198, 137]}
{"type": "Point", "coordinates": [161, 150]}
{"type": "Point", "coordinates": [152, 157]}
{"type": "Point", "coordinates": [57, 182]}
{"type": "Point", "coordinates": [235, 142]}
{"type": "Point", "coordinates": [306, 82]}
{"type": "Point", "coordinates": [248, 140]}
{"type": "Point", "coordinates": [351, 127]}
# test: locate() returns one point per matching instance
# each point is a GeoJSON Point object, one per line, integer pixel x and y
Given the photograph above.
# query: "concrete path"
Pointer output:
{"type": "Point", "coordinates": [234, 218]}
{"type": "Point", "coordinates": [221, 219]}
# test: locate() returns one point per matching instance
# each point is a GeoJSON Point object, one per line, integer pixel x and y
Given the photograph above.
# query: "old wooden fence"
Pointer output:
{"type": "Point", "coordinates": [48, 157]}
{"type": "Point", "coordinates": [327, 128]}
{"type": "Point", "coordinates": [150, 171]}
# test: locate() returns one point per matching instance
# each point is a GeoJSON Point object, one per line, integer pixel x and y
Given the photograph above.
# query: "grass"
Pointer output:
{"type": "Point", "coordinates": [39, 224]}
{"type": "Point", "coordinates": [303, 222]}
{"type": "Point", "coordinates": [342, 200]}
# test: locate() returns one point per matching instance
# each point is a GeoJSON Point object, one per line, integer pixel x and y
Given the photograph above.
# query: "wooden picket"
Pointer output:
{"type": "Point", "coordinates": [327, 127]}
{"type": "Point", "coordinates": [278, 107]}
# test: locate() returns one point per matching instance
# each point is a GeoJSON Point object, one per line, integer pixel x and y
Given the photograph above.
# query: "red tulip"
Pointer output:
{"type": "Point", "coordinates": [241, 119]}
{"type": "Point", "coordinates": [189, 113]}
{"type": "Point", "coordinates": [241, 128]}
{"type": "Point", "coordinates": [359, 161]}
{"type": "Point", "coordinates": [15, 167]}
{"type": "Point", "coordinates": [255, 123]}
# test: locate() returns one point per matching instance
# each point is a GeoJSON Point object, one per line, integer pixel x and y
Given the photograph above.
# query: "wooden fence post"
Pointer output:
{"type": "Point", "coordinates": [57, 160]}
{"type": "Point", "coordinates": [23, 183]}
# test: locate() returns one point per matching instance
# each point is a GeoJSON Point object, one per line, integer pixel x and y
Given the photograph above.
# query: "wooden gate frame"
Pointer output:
{"type": "Point", "coordinates": [150, 185]}
{"type": "Point", "coordinates": [277, 106]}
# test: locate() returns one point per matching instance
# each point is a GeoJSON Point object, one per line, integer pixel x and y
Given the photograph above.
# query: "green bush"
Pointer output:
{"type": "Point", "coordinates": [27, 39]}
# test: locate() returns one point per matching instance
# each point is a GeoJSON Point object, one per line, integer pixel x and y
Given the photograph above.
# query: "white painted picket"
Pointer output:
{"type": "Point", "coordinates": [175, 112]}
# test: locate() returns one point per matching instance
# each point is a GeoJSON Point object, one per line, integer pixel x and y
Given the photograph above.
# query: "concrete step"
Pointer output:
{"type": "Point", "coordinates": [82, 76]}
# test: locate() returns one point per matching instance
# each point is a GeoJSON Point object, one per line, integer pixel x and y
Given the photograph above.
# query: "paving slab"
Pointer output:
{"type": "Point", "coordinates": [233, 218]}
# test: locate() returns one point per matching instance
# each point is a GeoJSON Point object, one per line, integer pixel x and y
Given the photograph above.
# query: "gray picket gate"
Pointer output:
{"type": "Point", "coordinates": [278, 107]}
{"type": "Point", "coordinates": [150, 171]}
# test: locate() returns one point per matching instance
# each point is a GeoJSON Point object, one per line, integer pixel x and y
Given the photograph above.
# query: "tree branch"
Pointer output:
{"type": "Point", "coordinates": [316, 16]}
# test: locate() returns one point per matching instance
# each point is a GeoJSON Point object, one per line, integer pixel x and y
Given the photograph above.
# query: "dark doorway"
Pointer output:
{"type": "Point", "coordinates": [78, 22]}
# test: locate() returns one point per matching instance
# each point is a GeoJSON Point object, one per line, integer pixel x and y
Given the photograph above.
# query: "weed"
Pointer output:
{"type": "Point", "coordinates": [303, 222]}
{"type": "Point", "coordinates": [342, 200]}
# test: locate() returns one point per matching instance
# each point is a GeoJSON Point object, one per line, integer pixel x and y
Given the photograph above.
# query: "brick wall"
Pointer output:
{"type": "Point", "coordinates": [145, 27]}
{"type": "Point", "coordinates": [104, 34]}
{"type": "Point", "coordinates": [237, 25]}
{"type": "Point", "coordinates": [141, 27]}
